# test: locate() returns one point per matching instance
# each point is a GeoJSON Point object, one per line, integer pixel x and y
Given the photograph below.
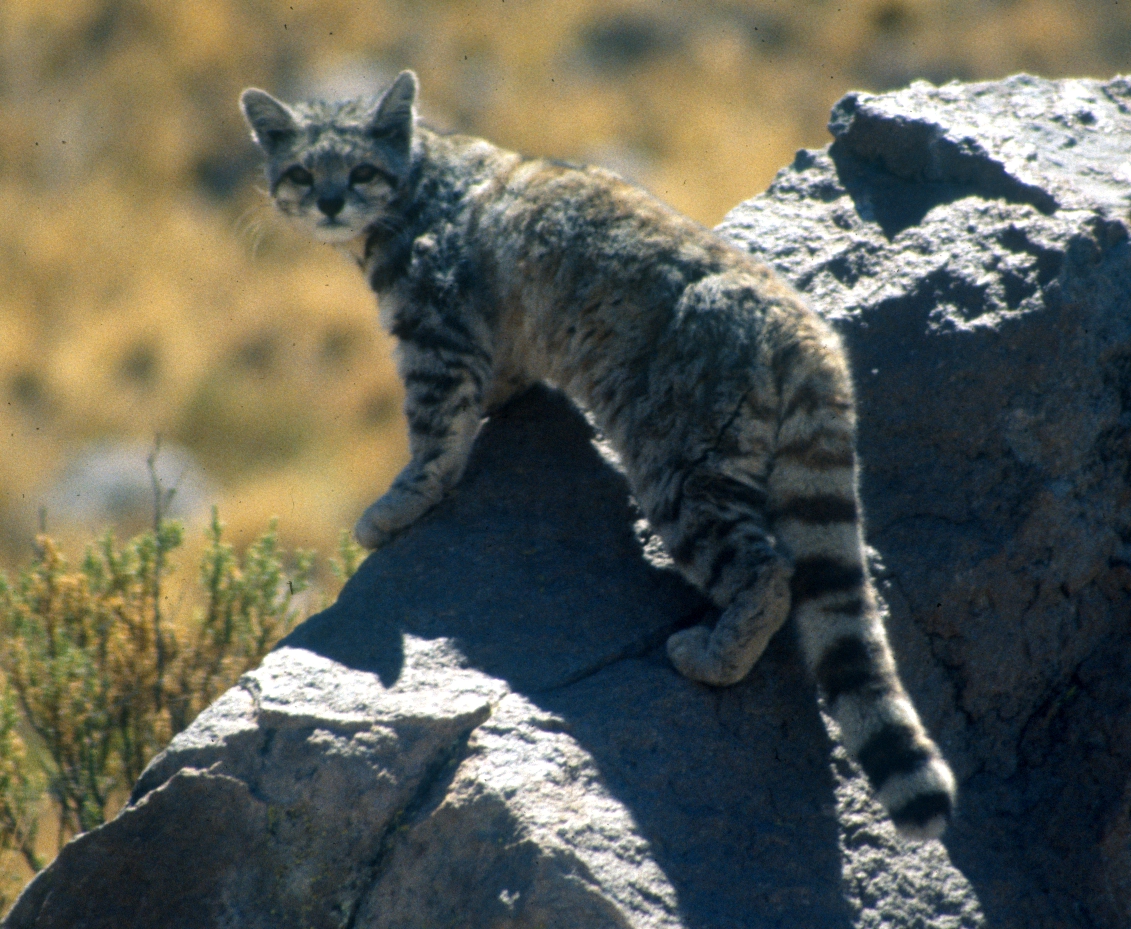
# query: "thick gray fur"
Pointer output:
{"type": "Point", "coordinates": [729, 402]}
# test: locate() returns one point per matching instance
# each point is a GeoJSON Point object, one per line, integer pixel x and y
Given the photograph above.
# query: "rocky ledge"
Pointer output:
{"type": "Point", "coordinates": [484, 731]}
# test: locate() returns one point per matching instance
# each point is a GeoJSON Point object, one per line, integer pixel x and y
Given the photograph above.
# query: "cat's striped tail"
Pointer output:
{"type": "Point", "coordinates": [816, 515]}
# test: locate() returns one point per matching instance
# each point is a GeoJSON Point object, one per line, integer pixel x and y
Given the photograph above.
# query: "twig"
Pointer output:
{"type": "Point", "coordinates": [161, 500]}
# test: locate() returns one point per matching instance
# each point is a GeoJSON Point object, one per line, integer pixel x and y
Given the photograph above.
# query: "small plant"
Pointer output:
{"type": "Point", "coordinates": [20, 789]}
{"type": "Point", "coordinates": [350, 556]}
{"type": "Point", "coordinates": [98, 673]}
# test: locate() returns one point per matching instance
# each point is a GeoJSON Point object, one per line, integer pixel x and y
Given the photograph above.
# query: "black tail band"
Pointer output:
{"type": "Point", "coordinates": [849, 667]}
{"type": "Point", "coordinates": [895, 749]}
{"type": "Point", "coordinates": [813, 577]}
{"type": "Point", "coordinates": [923, 809]}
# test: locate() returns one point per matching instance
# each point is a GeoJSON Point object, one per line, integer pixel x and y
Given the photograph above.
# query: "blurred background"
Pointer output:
{"type": "Point", "coordinates": [146, 288]}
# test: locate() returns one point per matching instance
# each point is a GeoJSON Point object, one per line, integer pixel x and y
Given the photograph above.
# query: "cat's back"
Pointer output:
{"type": "Point", "coordinates": [546, 212]}
{"type": "Point", "coordinates": [540, 221]}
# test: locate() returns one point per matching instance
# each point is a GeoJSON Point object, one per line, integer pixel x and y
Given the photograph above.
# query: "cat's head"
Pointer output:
{"type": "Point", "coordinates": [336, 168]}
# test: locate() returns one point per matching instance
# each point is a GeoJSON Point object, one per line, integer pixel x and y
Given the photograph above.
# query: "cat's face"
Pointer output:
{"type": "Point", "coordinates": [336, 169]}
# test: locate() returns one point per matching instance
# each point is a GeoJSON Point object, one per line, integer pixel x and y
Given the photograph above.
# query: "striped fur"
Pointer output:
{"type": "Point", "coordinates": [729, 402]}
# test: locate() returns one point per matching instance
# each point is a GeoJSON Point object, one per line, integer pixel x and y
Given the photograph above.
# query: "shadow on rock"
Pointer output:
{"type": "Point", "coordinates": [533, 573]}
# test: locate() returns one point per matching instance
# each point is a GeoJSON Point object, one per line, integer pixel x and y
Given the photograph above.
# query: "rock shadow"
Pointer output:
{"type": "Point", "coordinates": [534, 574]}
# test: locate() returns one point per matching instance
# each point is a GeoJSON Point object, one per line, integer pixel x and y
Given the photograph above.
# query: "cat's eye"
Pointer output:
{"type": "Point", "coordinates": [365, 173]}
{"type": "Point", "coordinates": [299, 175]}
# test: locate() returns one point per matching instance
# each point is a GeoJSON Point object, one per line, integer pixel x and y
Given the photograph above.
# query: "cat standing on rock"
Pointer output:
{"type": "Point", "coordinates": [729, 402]}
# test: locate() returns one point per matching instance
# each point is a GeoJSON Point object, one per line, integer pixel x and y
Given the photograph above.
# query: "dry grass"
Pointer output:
{"type": "Point", "coordinates": [145, 288]}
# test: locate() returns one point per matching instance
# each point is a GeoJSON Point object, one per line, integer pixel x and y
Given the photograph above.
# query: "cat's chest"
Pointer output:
{"type": "Point", "coordinates": [354, 250]}
{"type": "Point", "coordinates": [392, 304]}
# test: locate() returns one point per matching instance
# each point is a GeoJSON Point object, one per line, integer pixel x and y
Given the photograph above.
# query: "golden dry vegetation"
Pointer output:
{"type": "Point", "coordinates": [145, 287]}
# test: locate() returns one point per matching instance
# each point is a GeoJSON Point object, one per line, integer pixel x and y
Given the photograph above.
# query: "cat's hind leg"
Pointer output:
{"type": "Point", "coordinates": [725, 654]}
{"type": "Point", "coordinates": [721, 544]}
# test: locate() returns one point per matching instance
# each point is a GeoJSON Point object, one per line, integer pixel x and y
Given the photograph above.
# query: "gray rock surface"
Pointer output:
{"type": "Point", "coordinates": [970, 243]}
{"type": "Point", "coordinates": [483, 730]}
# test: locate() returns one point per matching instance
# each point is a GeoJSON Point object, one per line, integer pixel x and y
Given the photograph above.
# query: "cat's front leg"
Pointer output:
{"type": "Point", "coordinates": [444, 408]}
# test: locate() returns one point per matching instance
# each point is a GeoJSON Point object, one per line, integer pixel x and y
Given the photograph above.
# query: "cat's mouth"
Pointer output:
{"type": "Point", "coordinates": [334, 230]}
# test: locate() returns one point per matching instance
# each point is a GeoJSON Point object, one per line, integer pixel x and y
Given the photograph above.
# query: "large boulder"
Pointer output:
{"type": "Point", "coordinates": [484, 731]}
{"type": "Point", "coordinates": [970, 242]}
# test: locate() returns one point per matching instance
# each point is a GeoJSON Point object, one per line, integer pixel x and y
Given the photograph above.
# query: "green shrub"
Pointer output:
{"type": "Point", "coordinates": [99, 672]}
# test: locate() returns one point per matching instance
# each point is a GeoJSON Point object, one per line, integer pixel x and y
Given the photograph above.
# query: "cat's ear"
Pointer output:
{"type": "Point", "coordinates": [272, 123]}
{"type": "Point", "coordinates": [392, 118]}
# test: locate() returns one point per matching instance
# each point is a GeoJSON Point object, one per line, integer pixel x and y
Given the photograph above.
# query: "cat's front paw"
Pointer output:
{"type": "Point", "coordinates": [390, 515]}
{"type": "Point", "coordinates": [691, 653]}
{"type": "Point", "coordinates": [370, 534]}
{"type": "Point", "coordinates": [382, 521]}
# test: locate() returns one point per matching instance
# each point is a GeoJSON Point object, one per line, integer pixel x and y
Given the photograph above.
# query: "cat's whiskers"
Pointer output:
{"type": "Point", "coordinates": [251, 226]}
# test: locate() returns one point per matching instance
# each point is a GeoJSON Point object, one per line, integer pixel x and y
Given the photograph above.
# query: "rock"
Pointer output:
{"type": "Point", "coordinates": [484, 731]}
{"type": "Point", "coordinates": [970, 243]}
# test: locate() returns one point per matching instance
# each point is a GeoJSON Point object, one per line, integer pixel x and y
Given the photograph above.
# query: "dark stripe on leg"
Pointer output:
{"type": "Point", "coordinates": [715, 528]}
{"type": "Point", "coordinates": [439, 382]}
{"type": "Point", "coordinates": [813, 577]}
{"type": "Point", "coordinates": [848, 667]}
{"type": "Point", "coordinates": [668, 512]}
{"type": "Point", "coordinates": [922, 810]}
{"type": "Point", "coordinates": [806, 399]}
{"type": "Point", "coordinates": [428, 389]}
{"type": "Point", "coordinates": [854, 606]}
{"type": "Point", "coordinates": [430, 428]}
{"type": "Point", "coordinates": [431, 455]}
{"type": "Point", "coordinates": [729, 490]}
{"type": "Point", "coordinates": [782, 362]}
{"type": "Point", "coordinates": [721, 489]}
{"type": "Point", "coordinates": [895, 749]}
{"type": "Point", "coordinates": [432, 337]}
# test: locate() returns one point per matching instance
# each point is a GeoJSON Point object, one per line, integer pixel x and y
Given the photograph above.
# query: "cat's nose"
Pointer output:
{"type": "Point", "coordinates": [331, 206]}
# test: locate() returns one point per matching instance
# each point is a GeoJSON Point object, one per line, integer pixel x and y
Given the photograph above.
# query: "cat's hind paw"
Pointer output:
{"type": "Point", "coordinates": [691, 653]}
